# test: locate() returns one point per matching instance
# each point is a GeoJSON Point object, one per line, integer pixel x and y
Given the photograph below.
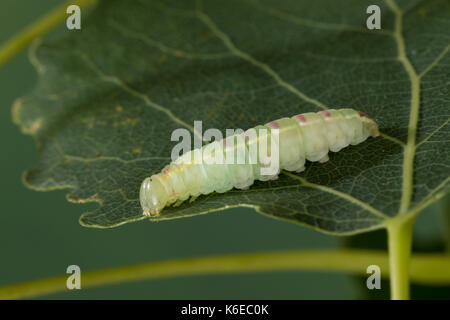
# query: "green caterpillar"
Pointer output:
{"type": "Point", "coordinates": [307, 136]}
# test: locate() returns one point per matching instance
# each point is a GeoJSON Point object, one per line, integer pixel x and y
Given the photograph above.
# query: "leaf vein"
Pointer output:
{"type": "Point", "coordinates": [164, 48]}
{"type": "Point", "coordinates": [432, 133]}
{"type": "Point", "coordinates": [343, 195]}
{"type": "Point", "coordinates": [311, 23]}
{"type": "Point", "coordinates": [261, 65]}
{"type": "Point", "coordinates": [409, 152]}
{"type": "Point", "coordinates": [117, 81]}
{"type": "Point", "coordinates": [436, 61]}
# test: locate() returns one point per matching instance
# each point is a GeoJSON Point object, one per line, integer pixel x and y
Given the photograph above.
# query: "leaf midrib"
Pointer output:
{"type": "Point", "coordinates": [415, 79]}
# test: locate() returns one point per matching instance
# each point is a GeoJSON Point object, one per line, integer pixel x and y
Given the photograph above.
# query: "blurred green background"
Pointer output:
{"type": "Point", "coordinates": [40, 235]}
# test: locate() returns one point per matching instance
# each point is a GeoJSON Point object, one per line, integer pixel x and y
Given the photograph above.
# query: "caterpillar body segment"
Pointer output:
{"type": "Point", "coordinates": [229, 163]}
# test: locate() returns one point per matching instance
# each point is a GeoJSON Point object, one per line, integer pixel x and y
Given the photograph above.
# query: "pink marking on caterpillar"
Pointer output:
{"type": "Point", "coordinates": [362, 114]}
{"type": "Point", "coordinates": [326, 113]}
{"type": "Point", "coordinates": [301, 118]}
{"type": "Point", "coordinates": [274, 124]}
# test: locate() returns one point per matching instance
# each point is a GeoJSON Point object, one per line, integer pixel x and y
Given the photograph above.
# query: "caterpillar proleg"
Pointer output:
{"type": "Point", "coordinates": [308, 136]}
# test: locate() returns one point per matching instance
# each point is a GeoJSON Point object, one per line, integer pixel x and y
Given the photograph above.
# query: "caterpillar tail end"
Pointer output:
{"type": "Point", "coordinates": [375, 130]}
{"type": "Point", "coordinates": [370, 124]}
{"type": "Point", "coordinates": [376, 133]}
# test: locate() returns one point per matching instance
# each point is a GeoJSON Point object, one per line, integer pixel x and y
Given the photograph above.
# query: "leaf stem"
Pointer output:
{"type": "Point", "coordinates": [40, 27]}
{"type": "Point", "coordinates": [425, 268]}
{"type": "Point", "coordinates": [444, 209]}
{"type": "Point", "coordinates": [400, 233]}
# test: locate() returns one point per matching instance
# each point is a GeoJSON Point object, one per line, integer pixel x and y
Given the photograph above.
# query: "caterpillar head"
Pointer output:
{"type": "Point", "coordinates": [153, 197]}
{"type": "Point", "coordinates": [369, 125]}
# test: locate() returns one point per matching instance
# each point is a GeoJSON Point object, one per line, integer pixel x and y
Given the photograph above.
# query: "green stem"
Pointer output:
{"type": "Point", "coordinates": [425, 269]}
{"type": "Point", "coordinates": [40, 27]}
{"type": "Point", "coordinates": [400, 233]}
{"type": "Point", "coordinates": [444, 209]}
